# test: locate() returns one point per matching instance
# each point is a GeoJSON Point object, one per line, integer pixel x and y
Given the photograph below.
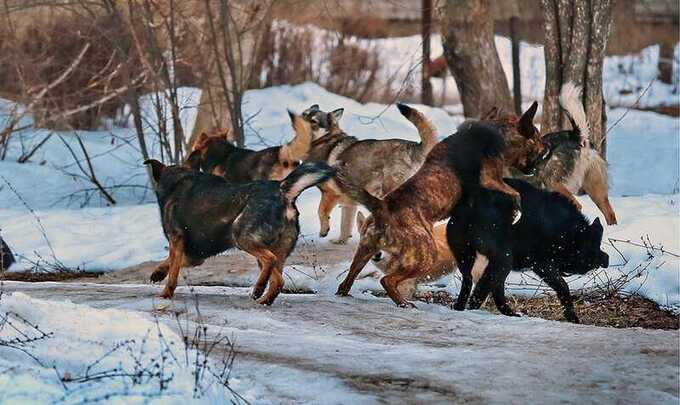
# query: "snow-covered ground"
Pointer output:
{"type": "Point", "coordinates": [313, 348]}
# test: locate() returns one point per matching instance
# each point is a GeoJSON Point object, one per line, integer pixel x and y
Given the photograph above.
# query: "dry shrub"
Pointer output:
{"type": "Point", "coordinates": [40, 51]}
{"type": "Point", "coordinates": [292, 55]}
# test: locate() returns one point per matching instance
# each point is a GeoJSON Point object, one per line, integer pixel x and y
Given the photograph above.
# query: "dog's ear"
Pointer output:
{"type": "Point", "coordinates": [157, 168]}
{"type": "Point", "coordinates": [314, 107]}
{"type": "Point", "coordinates": [337, 114]}
{"type": "Point", "coordinates": [526, 122]}
{"type": "Point", "coordinates": [298, 148]}
{"type": "Point", "coordinates": [200, 141]}
{"type": "Point", "coordinates": [360, 221]}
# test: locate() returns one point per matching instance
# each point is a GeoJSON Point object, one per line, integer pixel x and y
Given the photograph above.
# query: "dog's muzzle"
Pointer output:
{"type": "Point", "coordinates": [377, 257]}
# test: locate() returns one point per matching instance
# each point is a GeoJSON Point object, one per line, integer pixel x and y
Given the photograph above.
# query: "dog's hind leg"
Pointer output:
{"type": "Point", "coordinates": [265, 272]}
{"type": "Point", "coordinates": [595, 185]}
{"type": "Point", "coordinates": [557, 283]}
{"type": "Point", "coordinates": [349, 211]}
{"type": "Point", "coordinates": [329, 199]}
{"type": "Point", "coordinates": [175, 262]}
{"type": "Point", "coordinates": [465, 264]}
{"type": "Point", "coordinates": [275, 284]}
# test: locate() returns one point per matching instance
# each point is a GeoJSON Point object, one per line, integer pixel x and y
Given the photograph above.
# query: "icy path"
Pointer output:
{"type": "Point", "coordinates": [324, 349]}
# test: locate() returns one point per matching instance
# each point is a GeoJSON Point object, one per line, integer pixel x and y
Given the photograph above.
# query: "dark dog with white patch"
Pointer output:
{"type": "Point", "coordinates": [553, 239]}
{"type": "Point", "coordinates": [203, 215]}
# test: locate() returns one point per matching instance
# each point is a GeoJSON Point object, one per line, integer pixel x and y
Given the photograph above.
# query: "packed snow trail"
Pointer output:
{"type": "Point", "coordinates": [325, 349]}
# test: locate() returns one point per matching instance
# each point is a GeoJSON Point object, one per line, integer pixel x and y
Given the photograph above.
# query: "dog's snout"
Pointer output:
{"type": "Point", "coordinates": [377, 257]}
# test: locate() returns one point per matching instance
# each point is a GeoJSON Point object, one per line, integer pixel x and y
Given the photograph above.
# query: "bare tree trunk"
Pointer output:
{"type": "Point", "coordinates": [665, 65]}
{"type": "Point", "coordinates": [426, 22]}
{"type": "Point", "coordinates": [471, 55]}
{"type": "Point", "coordinates": [576, 33]}
{"type": "Point", "coordinates": [234, 34]}
{"type": "Point", "coordinates": [516, 71]}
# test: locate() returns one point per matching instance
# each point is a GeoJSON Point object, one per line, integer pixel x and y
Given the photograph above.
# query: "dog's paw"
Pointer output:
{"type": "Point", "coordinates": [256, 293]}
{"type": "Point", "coordinates": [343, 290]}
{"type": "Point", "coordinates": [265, 301]}
{"type": "Point", "coordinates": [340, 241]}
{"type": "Point", "coordinates": [407, 304]}
{"type": "Point", "coordinates": [166, 294]}
{"type": "Point", "coordinates": [459, 306]}
{"type": "Point", "coordinates": [158, 275]}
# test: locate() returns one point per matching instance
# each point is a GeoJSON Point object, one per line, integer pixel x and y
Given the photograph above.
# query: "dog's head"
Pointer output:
{"type": "Point", "coordinates": [587, 254]}
{"type": "Point", "coordinates": [525, 148]}
{"type": "Point", "coordinates": [369, 235]}
{"type": "Point", "coordinates": [291, 154]}
{"type": "Point", "coordinates": [322, 122]}
{"type": "Point", "coordinates": [209, 152]}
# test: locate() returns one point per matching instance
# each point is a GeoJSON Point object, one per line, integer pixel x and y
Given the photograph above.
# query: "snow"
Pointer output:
{"type": "Point", "coordinates": [315, 348]}
{"type": "Point", "coordinates": [82, 344]}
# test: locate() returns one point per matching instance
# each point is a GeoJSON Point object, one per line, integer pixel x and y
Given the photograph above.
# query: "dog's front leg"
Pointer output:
{"type": "Point", "coordinates": [329, 199]}
{"type": "Point", "coordinates": [363, 254]}
{"type": "Point", "coordinates": [491, 177]}
{"type": "Point", "coordinates": [176, 261]}
{"type": "Point", "coordinates": [557, 283]}
{"type": "Point", "coordinates": [561, 189]}
{"type": "Point", "coordinates": [266, 260]}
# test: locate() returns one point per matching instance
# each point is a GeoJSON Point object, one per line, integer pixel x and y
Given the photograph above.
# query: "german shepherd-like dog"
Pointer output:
{"type": "Point", "coordinates": [377, 166]}
{"type": "Point", "coordinates": [214, 153]}
{"type": "Point", "coordinates": [553, 239]}
{"type": "Point", "coordinates": [203, 215]}
{"type": "Point", "coordinates": [403, 221]}
{"type": "Point", "coordinates": [574, 165]}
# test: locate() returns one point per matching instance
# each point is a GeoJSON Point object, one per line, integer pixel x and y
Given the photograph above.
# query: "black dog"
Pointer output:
{"type": "Point", "coordinates": [552, 238]}
{"type": "Point", "coordinates": [203, 215]}
{"type": "Point", "coordinates": [6, 256]}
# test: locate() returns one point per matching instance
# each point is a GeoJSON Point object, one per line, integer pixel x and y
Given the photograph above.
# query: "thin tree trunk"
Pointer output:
{"type": "Point", "coordinates": [516, 71]}
{"type": "Point", "coordinates": [553, 76]}
{"type": "Point", "coordinates": [665, 65]}
{"type": "Point", "coordinates": [470, 52]}
{"type": "Point", "coordinates": [426, 23]}
{"type": "Point", "coordinates": [601, 13]}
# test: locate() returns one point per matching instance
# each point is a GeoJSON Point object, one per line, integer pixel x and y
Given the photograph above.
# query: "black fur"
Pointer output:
{"type": "Point", "coordinates": [552, 238]}
{"type": "Point", "coordinates": [6, 256]}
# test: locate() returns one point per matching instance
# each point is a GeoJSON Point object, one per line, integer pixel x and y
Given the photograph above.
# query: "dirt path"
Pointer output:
{"type": "Point", "coordinates": [236, 268]}
{"type": "Point", "coordinates": [324, 349]}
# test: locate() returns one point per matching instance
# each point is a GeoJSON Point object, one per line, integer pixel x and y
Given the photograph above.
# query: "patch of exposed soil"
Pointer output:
{"type": "Point", "coordinates": [33, 277]}
{"type": "Point", "coordinates": [617, 312]}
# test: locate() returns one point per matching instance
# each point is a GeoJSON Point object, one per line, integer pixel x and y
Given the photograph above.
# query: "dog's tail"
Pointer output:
{"type": "Point", "coordinates": [570, 100]}
{"type": "Point", "coordinates": [157, 168]}
{"type": "Point", "coordinates": [305, 176]}
{"type": "Point", "coordinates": [427, 131]}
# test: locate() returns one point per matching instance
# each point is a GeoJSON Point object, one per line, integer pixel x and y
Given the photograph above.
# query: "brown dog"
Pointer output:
{"type": "Point", "coordinates": [377, 166]}
{"type": "Point", "coordinates": [215, 154]}
{"type": "Point", "coordinates": [403, 221]}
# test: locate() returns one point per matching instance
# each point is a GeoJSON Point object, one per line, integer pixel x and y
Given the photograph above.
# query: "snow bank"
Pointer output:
{"type": "Point", "coordinates": [83, 344]}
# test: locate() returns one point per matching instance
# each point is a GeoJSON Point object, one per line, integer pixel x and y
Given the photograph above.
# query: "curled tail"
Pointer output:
{"type": "Point", "coordinates": [303, 177]}
{"type": "Point", "coordinates": [427, 131]}
{"type": "Point", "coordinates": [570, 100]}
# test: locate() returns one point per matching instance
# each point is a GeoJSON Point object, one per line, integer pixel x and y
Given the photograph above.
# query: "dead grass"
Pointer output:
{"type": "Point", "coordinates": [34, 277]}
{"type": "Point", "coordinates": [616, 312]}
